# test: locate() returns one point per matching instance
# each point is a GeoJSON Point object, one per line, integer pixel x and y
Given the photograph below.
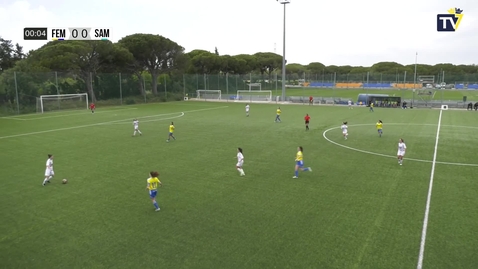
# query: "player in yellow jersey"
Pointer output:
{"type": "Point", "coordinates": [152, 187]}
{"type": "Point", "coordinates": [171, 131]}
{"type": "Point", "coordinates": [379, 126]}
{"type": "Point", "coordinates": [299, 162]}
{"type": "Point", "coordinates": [278, 112]}
{"type": "Point", "coordinates": [371, 107]}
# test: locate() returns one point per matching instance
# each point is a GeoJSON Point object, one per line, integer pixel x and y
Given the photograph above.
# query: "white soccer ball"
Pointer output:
{"type": "Point", "coordinates": [64, 181]}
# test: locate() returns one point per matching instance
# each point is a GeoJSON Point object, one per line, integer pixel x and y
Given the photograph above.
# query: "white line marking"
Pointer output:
{"type": "Point", "coordinates": [78, 114]}
{"type": "Point", "coordinates": [181, 114]}
{"type": "Point", "coordinates": [429, 198]}
{"type": "Point", "coordinates": [61, 112]}
{"type": "Point", "coordinates": [324, 134]}
{"type": "Point", "coordinates": [12, 118]}
{"type": "Point", "coordinates": [101, 123]}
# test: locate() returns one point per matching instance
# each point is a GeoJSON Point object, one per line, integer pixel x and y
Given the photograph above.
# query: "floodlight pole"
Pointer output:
{"type": "Point", "coordinates": [283, 2]}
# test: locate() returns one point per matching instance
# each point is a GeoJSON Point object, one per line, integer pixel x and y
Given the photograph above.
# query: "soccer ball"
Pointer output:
{"type": "Point", "coordinates": [64, 181]}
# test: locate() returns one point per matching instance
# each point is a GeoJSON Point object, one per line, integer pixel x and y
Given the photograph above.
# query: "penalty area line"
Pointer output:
{"type": "Point", "coordinates": [429, 198]}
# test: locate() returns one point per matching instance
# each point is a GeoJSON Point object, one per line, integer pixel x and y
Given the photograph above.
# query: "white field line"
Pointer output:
{"type": "Point", "coordinates": [429, 197]}
{"type": "Point", "coordinates": [324, 134]}
{"type": "Point", "coordinates": [103, 123]}
{"type": "Point", "coordinates": [181, 114]}
{"type": "Point", "coordinates": [73, 111]}
{"type": "Point", "coordinates": [12, 118]}
{"type": "Point", "coordinates": [40, 117]}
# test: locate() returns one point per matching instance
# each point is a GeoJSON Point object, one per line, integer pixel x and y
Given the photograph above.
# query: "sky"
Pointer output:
{"type": "Point", "coordinates": [345, 32]}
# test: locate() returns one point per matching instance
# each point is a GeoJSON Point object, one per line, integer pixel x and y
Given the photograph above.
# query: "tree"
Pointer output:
{"type": "Point", "coordinates": [9, 54]}
{"type": "Point", "coordinates": [205, 62]}
{"type": "Point", "coordinates": [247, 63]}
{"type": "Point", "coordinates": [155, 53]}
{"type": "Point", "coordinates": [295, 69]}
{"type": "Point", "coordinates": [228, 64]}
{"type": "Point", "coordinates": [385, 67]}
{"type": "Point", "coordinates": [267, 62]}
{"type": "Point", "coordinates": [82, 58]}
{"type": "Point", "coordinates": [316, 68]}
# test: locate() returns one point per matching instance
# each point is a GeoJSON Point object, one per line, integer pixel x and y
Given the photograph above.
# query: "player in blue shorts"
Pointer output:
{"type": "Point", "coordinates": [278, 112]}
{"type": "Point", "coordinates": [171, 132]}
{"type": "Point", "coordinates": [152, 187]}
{"type": "Point", "coordinates": [299, 162]}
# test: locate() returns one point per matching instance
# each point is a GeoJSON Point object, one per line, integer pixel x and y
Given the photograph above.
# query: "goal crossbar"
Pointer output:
{"type": "Point", "coordinates": [61, 101]}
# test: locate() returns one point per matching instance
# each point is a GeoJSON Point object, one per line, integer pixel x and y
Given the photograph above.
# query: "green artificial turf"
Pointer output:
{"type": "Point", "coordinates": [357, 209]}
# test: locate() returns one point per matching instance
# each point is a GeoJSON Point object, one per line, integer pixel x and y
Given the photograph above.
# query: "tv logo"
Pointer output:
{"type": "Point", "coordinates": [449, 22]}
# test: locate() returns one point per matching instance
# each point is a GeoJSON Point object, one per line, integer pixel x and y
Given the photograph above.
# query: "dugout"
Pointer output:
{"type": "Point", "coordinates": [365, 98]}
{"type": "Point", "coordinates": [385, 101]}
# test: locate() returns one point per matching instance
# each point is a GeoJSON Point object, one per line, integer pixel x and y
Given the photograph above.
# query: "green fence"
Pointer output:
{"type": "Point", "coordinates": [20, 92]}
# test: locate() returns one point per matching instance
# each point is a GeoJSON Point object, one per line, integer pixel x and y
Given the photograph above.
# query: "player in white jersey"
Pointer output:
{"type": "Point", "coordinates": [247, 110]}
{"type": "Point", "coordinates": [49, 173]}
{"type": "Point", "coordinates": [344, 128]}
{"type": "Point", "coordinates": [401, 150]}
{"type": "Point", "coordinates": [136, 127]}
{"type": "Point", "coordinates": [350, 105]}
{"type": "Point", "coordinates": [240, 162]}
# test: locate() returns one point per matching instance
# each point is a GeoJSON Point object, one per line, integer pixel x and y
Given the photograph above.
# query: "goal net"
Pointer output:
{"type": "Point", "coordinates": [208, 95]}
{"type": "Point", "coordinates": [46, 103]}
{"type": "Point", "coordinates": [254, 96]}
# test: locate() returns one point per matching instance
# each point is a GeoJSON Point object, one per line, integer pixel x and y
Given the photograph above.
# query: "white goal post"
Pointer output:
{"type": "Point", "coordinates": [208, 95]}
{"type": "Point", "coordinates": [47, 103]}
{"type": "Point", "coordinates": [254, 96]}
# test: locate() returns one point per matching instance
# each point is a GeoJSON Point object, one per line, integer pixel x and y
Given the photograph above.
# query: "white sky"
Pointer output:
{"type": "Point", "coordinates": [341, 32]}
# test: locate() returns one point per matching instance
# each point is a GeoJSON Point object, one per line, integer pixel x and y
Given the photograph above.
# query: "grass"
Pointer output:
{"type": "Point", "coordinates": [355, 210]}
{"type": "Point", "coordinates": [454, 95]}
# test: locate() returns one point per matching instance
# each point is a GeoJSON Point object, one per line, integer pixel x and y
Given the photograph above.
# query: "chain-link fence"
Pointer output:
{"type": "Point", "coordinates": [20, 92]}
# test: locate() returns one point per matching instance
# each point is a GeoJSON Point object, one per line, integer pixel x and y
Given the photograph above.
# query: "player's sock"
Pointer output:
{"type": "Point", "coordinates": [50, 177]}
{"type": "Point", "coordinates": [297, 173]}
{"type": "Point", "coordinates": [44, 181]}
{"type": "Point", "coordinates": [306, 169]}
{"type": "Point", "coordinates": [134, 133]}
{"type": "Point", "coordinates": [156, 204]}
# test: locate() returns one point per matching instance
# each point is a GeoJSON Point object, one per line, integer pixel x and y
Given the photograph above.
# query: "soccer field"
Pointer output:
{"type": "Point", "coordinates": [357, 209]}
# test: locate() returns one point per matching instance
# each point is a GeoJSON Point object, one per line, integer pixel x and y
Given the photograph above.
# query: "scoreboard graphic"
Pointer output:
{"type": "Point", "coordinates": [68, 33]}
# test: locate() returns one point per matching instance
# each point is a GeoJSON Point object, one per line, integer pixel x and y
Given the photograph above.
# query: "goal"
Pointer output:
{"type": "Point", "coordinates": [255, 87]}
{"type": "Point", "coordinates": [254, 96]}
{"type": "Point", "coordinates": [208, 95]}
{"type": "Point", "coordinates": [47, 103]}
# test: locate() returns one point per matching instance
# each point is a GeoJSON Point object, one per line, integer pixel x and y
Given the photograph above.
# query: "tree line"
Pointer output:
{"type": "Point", "coordinates": [157, 56]}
